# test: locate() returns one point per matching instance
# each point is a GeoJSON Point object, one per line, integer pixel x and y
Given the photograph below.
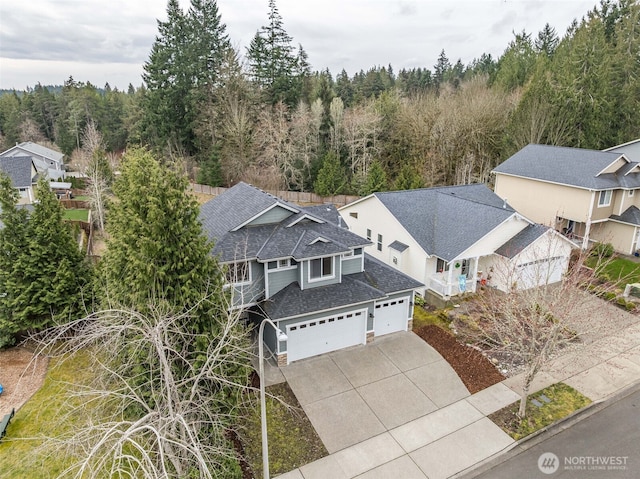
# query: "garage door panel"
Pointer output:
{"type": "Point", "coordinates": [310, 338]}
{"type": "Point", "coordinates": [391, 316]}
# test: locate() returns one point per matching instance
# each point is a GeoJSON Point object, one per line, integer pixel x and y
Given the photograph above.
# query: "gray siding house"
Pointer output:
{"type": "Point", "coordinates": [303, 269]}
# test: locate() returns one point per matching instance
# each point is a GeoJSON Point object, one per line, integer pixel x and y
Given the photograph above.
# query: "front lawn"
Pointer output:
{"type": "Point", "coordinates": [293, 442]}
{"type": "Point", "coordinates": [42, 416]}
{"type": "Point", "coordinates": [75, 215]}
{"type": "Point", "coordinates": [422, 317]}
{"type": "Point", "coordinates": [619, 270]}
{"type": "Point", "coordinates": [564, 400]}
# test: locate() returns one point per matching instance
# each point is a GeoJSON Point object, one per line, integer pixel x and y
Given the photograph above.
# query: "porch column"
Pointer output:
{"type": "Point", "coordinates": [448, 291]}
{"type": "Point", "coordinates": [585, 239]}
{"type": "Point", "coordinates": [474, 278]}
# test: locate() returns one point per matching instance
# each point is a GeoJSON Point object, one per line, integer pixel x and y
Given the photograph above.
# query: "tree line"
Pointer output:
{"type": "Point", "coordinates": [264, 116]}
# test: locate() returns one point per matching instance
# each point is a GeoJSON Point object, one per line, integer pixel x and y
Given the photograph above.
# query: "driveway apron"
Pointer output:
{"type": "Point", "coordinates": [355, 394]}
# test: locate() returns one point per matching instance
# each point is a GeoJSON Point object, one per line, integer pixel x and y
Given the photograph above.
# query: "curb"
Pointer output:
{"type": "Point", "coordinates": [541, 435]}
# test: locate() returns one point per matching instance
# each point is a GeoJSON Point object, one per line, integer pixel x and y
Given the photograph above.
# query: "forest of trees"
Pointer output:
{"type": "Point", "coordinates": [264, 116]}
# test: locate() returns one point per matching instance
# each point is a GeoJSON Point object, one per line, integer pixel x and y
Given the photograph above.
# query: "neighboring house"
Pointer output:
{"type": "Point", "coordinates": [588, 195]}
{"type": "Point", "coordinates": [453, 238]}
{"type": "Point", "coordinates": [23, 175]}
{"type": "Point", "coordinates": [305, 271]}
{"type": "Point", "coordinates": [48, 162]}
{"type": "Point", "coordinates": [630, 149]}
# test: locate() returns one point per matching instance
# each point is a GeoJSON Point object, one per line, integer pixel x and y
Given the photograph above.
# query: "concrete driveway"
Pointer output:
{"type": "Point", "coordinates": [358, 393]}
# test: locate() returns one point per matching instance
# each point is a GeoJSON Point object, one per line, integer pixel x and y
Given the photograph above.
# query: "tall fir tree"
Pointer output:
{"type": "Point", "coordinates": [43, 274]}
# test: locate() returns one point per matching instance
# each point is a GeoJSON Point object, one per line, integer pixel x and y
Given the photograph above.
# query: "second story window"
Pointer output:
{"type": "Point", "coordinates": [239, 273]}
{"type": "Point", "coordinates": [379, 242]}
{"type": "Point", "coordinates": [605, 198]}
{"type": "Point", "coordinates": [321, 268]}
{"type": "Point", "coordinates": [368, 234]}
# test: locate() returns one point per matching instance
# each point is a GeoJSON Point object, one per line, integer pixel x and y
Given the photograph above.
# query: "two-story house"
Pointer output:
{"type": "Point", "coordinates": [22, 173]}
{"type": "Point", "coordinates": [587, 195]}
{"type": "Point", "coordinates": [48, 162]}
{"type": "Point", "coordinates": [303, 269]}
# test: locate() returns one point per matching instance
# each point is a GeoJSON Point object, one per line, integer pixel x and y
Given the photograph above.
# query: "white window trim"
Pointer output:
{"type": "Point", "coordinates": [281, 268]}
{"type": "Point", "coordinates": [321, 278]}
{"type": "Point", "coordinates": [369, 234]}
{"type": "Point", "coordinates": [379, 242]}
{"type": "Point", "coordinates": [600, 197]}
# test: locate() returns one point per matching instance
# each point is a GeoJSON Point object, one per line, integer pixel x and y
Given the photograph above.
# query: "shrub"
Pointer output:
{"type": "Point", "coordinates": [602, 250]}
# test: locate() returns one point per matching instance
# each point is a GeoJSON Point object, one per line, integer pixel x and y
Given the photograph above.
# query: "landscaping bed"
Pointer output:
{"type": "Point", "coordinates": [474, 369]}
{"type": "Point", "coordinates": [293, 442]}
{"type": "Point", "coordinates": [562, 401]}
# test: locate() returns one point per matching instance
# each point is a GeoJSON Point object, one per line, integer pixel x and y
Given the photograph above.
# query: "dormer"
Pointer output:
{"type": "Point", "coordinates": [615, 166]}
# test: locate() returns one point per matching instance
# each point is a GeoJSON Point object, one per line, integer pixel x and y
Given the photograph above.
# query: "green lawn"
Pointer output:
{"type": "Point", "coordinates": [564, 401]}
{"type": "Point", "coordinates": [76, 215]}
{"type": "Point", "coordinates": [81, 198]}
{"type": "Point", "coordinates": [293, 441]}
{"type": "Point", "coordinates": [618, 270]}
{"type": "Point", "coordinates": [20, 455]}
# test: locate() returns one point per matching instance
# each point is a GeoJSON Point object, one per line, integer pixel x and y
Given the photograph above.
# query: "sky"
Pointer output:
{"type": "Point", "coordinates": [102, 41]}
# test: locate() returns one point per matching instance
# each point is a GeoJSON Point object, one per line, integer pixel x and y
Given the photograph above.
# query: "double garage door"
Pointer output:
{"type": "Point", "coordinates": [541, 272]}
{"type": "Point", "coordinates": [310, 338]}
{"type": "Point", "coordinates": [318, 336]}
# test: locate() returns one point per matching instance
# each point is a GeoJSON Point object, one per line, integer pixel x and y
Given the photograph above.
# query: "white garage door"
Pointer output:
{"type": "Point", "coordinates": [541, 272]}
{"type": "Point", "coordinates": [391, 316]}
{"type": "Point", "coordinates": [310, 338]}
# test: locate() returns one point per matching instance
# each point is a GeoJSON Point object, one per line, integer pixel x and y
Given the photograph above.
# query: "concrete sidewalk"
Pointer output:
{"type": "Point", "coordinates": [456, 438]}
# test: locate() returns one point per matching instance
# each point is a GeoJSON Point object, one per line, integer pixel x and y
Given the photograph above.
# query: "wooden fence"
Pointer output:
{"type": "Point", "coordinates": [297, 197]}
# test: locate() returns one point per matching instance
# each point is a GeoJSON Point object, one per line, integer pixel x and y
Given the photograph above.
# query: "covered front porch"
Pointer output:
{"type": "Point", "coordinates": [454, 278]}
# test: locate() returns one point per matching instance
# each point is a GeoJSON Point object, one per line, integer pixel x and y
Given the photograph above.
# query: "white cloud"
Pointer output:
{"type": "Point", "coordinates": [46, 41]}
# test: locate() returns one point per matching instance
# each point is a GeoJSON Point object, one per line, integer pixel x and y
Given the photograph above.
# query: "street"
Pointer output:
{"type": "Point", "coordinates": [604, 445]}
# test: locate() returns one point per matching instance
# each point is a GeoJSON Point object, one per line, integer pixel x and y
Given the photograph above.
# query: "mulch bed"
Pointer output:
{"type": "Point", "coordinates": [475, 370]}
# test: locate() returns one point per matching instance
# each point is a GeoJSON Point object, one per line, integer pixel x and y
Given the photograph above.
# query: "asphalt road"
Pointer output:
{"type": "Point", "coordinates": [604, 445]}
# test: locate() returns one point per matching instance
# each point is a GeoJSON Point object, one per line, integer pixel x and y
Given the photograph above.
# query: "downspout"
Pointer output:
{"type": "Point", "coordinates": [587, 229]}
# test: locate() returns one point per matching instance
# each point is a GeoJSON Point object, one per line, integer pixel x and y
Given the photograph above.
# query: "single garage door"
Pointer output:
{"type": "Point", "coordinates": [541, 272]}
{"type": "Point", "coordinates": [391, 316]}
{"type": "Point", "coordinates": [310, 338]}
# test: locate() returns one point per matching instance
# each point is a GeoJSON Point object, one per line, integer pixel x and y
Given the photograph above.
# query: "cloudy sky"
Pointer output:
{"type": "Point", "coordinates": [103, 41]}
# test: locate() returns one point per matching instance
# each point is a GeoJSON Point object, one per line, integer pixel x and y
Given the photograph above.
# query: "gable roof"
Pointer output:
{"type": "Point", "coordinates": [571, 166]}
{"type": "Point", "coordinates": [36, 149]}
{"type": "Point", "coordinates": [519, 242]}
{"type": "Point", "coordinates": [446, 221]}
{"type": "Point", "coordinates": [18, 168]}
{"type": "Point", "coordinates": [377, 281]}
{"type": "Point", "coordinates": [224, 220]}
{"type": "Point", "coordinates": [631, 215]}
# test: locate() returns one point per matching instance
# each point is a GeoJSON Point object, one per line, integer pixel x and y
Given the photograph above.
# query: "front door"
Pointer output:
{"type": "Point", "coordinates": [464, 269]}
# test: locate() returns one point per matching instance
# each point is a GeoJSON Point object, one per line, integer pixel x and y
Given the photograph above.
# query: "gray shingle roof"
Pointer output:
{"type": "Point", "coordinates": [446, 221]}
{"type": "Point", "coordinates": [631, 215]}
{"type": "Point", "coordinates": [398, 246]}
{"type": "Point", "coordinates": [570, 166]}
{"type": "Point", "coordinates": [18, 168]}
{"type": "Point", "coordinates": [271, 241]}
{"type": "Point", "coordinates": [327, 213]}
{"type": "Point", "coordinates": [376, 282]}
{"type": "Point", "coordinates": [520, 241]}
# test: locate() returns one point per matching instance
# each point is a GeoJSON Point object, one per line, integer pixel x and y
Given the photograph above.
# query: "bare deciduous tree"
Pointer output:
{"type": "Point", "coordinates": [529, 327]}
{"type": "Point", "coordinates": [162, 405]}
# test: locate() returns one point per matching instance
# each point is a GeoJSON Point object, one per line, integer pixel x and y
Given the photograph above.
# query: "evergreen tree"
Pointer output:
{"type": "Point", "coordinates": [42, 271]}
{"type": "Point", "coordinates": [156, 251]}
{"type": "Point", "coordinates": [441, 68]}
{"type": "Point", "coordinates": [516, 64]}
{"type": "Point", "coordinates": [332, 177]}
{"type": "Point", "coordinates": [547, 41]}
{"type": "Point", "coordinates": [273, 64]}
{"type": "Point", "coordinates": [376, 179]}
{"type": "Point", "coordinates": [408, 179]}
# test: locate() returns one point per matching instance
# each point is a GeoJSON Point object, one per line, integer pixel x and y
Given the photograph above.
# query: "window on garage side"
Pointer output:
{"type": "Point", "coordinates": [379, 242]}
{"type": "Point", "coordinates": [368, 234]}
{"type": "Point", "coordinates": [321, 268]}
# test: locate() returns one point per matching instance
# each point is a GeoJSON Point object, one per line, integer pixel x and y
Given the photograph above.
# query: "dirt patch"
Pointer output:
{"type": "Point", "coordinates": [21, 376]}
{"type": "Point", "coordinates": [475, 370]}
